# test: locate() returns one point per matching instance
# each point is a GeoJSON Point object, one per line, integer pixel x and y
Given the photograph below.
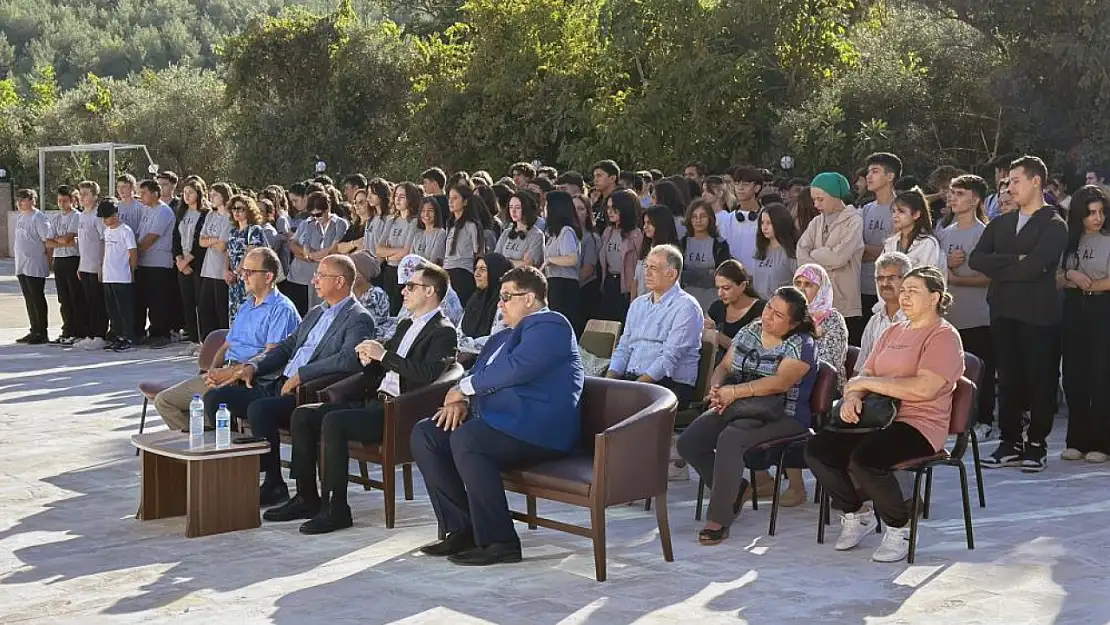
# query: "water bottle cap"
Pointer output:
{"type": "Point", "coordinates": [196, 396]}
{"type": "Point", "coordinates": [223, 406]}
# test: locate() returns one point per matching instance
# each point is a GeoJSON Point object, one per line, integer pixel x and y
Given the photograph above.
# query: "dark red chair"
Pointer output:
{"type": "Point", "coordinates": [973, 370]}
{"type": "Point", "coordinates": [820, 403]}
{"type": "Point", "coordinates": [850, 360]}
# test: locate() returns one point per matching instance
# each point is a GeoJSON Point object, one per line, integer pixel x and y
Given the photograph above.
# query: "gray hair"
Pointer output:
{"type": "Point", "coordinates": [343, 265]}
{"type": "Point", "coordinates": [671, 254]}
{"type": "Point", "coordinates": [269, 260]}
{"type": "Point", "coordinates": [894, 259]}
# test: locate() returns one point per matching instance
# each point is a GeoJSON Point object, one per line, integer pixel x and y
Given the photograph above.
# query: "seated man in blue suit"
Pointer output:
{"type": "Point", "coordinates": [518, 406]}
{"type": "Point", "coordinates": [323, 345]}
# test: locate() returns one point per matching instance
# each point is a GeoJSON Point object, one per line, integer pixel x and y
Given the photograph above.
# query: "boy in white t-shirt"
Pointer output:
{"type": "Point", "coordinates": [121, 256]}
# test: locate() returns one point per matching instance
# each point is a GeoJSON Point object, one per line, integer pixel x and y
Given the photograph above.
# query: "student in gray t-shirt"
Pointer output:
{"type": "Point", "coordinates": [155, 279]}
{"type": "Point", "coordinates": [32, 231]}
{"type": "Point", "coordinates": [561, 257]}
{"type": "Point", "coordinates": [71, 297]}
{"type": "Point", "coordinates": [430, 242]}
{"type": "Point", "coordinates": [522, 238]}
{"type": "Point", "coordinates": [316, 238]}
{"type": "Point", "coordinates": [212, 305]}
{"type": "Point", "coordinates": [465, 243]}
{"type": "Point", "coordinates": [775, 259]}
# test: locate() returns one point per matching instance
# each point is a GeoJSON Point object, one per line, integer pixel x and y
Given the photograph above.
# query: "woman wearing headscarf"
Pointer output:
{"type": "Point", "coordinates": [373, 298]}
{"type": "Point", "coordinates": [481, 318]}
{"type": "Point", "coordinates": [451, 306]}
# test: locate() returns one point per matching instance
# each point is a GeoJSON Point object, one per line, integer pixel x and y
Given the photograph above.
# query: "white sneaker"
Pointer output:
{"type": "Point", "coordinates": [895, 546]}
{"type": "Point", "coordinates": [1071, 454]}
{"type": "Point", "coordinates": [81, 344]}
{"type": "Point", "coordinates": [1097, 457]}
{"type": "Point", "coordinates": [984, 431]}
{"type": "Point", "coordinates": [191, 349]}
{"type": "Point", "coordinates": [94, 343]}
{"type": "Point", "coordinates": [854, 527]}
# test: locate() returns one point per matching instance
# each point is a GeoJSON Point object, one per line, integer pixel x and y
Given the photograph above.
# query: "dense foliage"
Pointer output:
{"type": "Point", "coordinates": [241, 89]}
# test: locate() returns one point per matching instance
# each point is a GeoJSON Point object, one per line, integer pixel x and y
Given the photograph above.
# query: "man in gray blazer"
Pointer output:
{"type": "Point", "coordinates": [264, 389]}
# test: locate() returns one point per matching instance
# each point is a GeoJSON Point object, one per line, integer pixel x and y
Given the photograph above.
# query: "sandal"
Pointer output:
{"type": "Point", "coordinates": [712, 537]}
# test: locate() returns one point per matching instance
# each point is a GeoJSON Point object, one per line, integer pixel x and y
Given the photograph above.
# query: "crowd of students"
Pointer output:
{"type": "Point", "coordinates": [1018, 270]}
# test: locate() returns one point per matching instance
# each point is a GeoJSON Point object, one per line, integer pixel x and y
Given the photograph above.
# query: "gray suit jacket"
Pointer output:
{"type": "Point", "coordinates": [334, 354]}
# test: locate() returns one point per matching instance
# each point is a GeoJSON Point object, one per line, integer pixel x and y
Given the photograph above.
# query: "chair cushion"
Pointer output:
{"type": "Point", "coordinates": [914, 463]}
{"type": "Point", "coordinates": [150, 389]}
{"type": "Point", "coordinates": [778, 442]}
{"type": "Point", "coordinates": [569, 475]}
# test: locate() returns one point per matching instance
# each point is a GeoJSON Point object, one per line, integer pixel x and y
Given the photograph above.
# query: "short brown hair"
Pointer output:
{"type": "Point", "coordinates": [528, 279]}
{"type": "Point", "coordinates": [27, 194]}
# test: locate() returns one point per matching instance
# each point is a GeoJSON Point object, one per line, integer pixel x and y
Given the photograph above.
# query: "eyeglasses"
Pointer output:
{"type": "Point", "coordinates": [506, 296]}
{"type": "Point", "coordinates": [238, 207]}
{"type": "Point", "coordinates": [246, 273]}
{"type": "Point", "coordinates": [320, 214]}
{"type": "Point", "coordinates": [411, 286]}
{"type": "Point", "coordinates": [321, 276]}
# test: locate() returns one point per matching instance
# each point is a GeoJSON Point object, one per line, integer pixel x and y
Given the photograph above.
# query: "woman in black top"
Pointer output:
{"type": "Point", "coordinates": [737, 304]}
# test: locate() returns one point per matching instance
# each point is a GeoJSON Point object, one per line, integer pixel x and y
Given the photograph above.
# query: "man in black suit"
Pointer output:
{"type": "Point", "coordinates": [421, 349]}
{"type": "Point", "coordinates": [323, 345]}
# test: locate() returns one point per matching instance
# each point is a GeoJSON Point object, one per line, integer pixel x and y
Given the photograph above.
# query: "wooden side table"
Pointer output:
{"type": "Point", "coordinates": [215, 488]}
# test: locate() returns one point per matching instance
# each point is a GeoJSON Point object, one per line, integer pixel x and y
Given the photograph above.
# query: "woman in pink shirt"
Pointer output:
{"type": "Point", "coordinates": [918, 362]}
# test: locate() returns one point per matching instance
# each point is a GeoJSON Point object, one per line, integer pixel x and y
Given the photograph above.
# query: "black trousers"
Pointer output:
{"type": "Point", "coordinates": [563, 297]}
{"type": "Point", "coordinates": [212, 313]}
{"type": "Point", "coordinates": [462, 473]}
{"type": "Point", "coordinates": [1086, 352]}
{"type": "Point", "coordinates": [589, 295]}
{"type": "Point", "coordinates": [264, 409]}
{"type": "Point", "coordinates": [189, 288]}
{"type": "Point", "coordinates": [978, 341]}
{"type": "Point", "coordinates": [96, 314]}
{"type": "Point", "coordinates": [1028, 360]}
{"type": "Point", "coordinates": [612, 305]}
{"type": "Point", "coordinates": [391, 288]}
{"type": "Point", "coordinates": [34, 299]}
{"type": "Point", "coordinates": [463, 283]}
{"type": "Point", "coordinates": [840, 461]}
{"type": "Point", "coordinates": [297, 293]}
{"type": "Point", "coordinates": [155, 299]}
{"type": "Point", "coordinates": [684, 392]}
{"type": "Point", "coordinates": [71, 297]}
{"type": "Point", "coordinates": [856, 325]}
{"type": "Point", "coordinates": [119, 299]}
{"type": "Point", "coordinates": [336, 425]}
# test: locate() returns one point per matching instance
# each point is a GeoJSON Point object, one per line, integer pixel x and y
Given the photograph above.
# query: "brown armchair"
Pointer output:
{"type": "Point", "coordinates": [401, 415]}
{"type": "Point", "coordinates": [626, 440]}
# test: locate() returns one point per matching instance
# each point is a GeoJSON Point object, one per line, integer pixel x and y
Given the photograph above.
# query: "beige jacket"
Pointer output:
{"type": "Point", "coordinates": [836, 243]}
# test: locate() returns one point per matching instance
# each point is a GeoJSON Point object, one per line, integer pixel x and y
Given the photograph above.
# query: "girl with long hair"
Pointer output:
{"type": "Point", "coordinates": [562, 242]}
{"type": "Point", "coordinates": [776, 250]}
{"type": "Point", "coordinates": [620, 250]}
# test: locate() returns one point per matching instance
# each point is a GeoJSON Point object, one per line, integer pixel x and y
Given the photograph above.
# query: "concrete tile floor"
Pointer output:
{"type": "Point", "coordinates": [71, 552]}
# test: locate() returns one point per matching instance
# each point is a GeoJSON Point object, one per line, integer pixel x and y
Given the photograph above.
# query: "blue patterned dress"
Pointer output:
{"type": "Point", "coordinates": [237, 245]}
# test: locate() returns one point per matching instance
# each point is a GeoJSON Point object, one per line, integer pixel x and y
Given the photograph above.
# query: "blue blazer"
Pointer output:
{"type": "Point", "coordinates": [532, 389]}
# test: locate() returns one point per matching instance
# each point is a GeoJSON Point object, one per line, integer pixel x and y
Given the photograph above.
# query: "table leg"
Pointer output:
{"type": "Point", "coordinates": [222, 495]}
{"type": "Point", "coordinates": [163, 487]}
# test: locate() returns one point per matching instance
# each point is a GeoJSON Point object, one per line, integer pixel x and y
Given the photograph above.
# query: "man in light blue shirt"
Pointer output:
{"type": "Point", "coordinates": [264, 320]}
{"type": "Point", "coordinates": [661, 343]}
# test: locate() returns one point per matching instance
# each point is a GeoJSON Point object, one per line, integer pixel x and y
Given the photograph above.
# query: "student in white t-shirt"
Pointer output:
{"type": "Point", "coordinates": [121, 257]}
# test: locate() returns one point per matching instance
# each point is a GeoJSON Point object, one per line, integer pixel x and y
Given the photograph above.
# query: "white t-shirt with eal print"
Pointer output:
{"type": "Point", "coordinates": [118, 242]}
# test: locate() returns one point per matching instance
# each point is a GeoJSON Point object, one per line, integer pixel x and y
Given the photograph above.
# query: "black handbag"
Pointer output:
{"type": "Point", "coordinates": [757, 410]}
{"type": "Point", "coordinates": [877, 412]}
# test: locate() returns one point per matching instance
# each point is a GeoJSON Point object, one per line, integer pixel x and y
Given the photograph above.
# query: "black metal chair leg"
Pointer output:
{"type": "Point", "coordinates": [755, 497]}
{"type": "Point", "coordinates": [701, 494]}
{"type": "Point", "coordinates": [775, 497]}
{"type": "Point", "coordinates": [967, 505]}
{"type": "Point", "coordinates": [821, 513]}
{"type": "Point", "coordinates": [978, 469]}
{"type": "Point", "coordinates": [647, 505]}
{"type": "Point", "coordinates": [142, 418]}
{"type": "Point", "coordinates": [928, 492]}
{"type": "Point", "coordinates": [913, 515]}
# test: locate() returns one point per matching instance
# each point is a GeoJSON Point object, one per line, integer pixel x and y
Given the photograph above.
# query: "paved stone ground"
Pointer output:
{"type": "Point", "coordinates": [71, 551]}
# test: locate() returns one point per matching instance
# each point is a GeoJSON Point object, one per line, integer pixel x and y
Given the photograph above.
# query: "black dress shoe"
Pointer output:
{"type": "Point", "coordinates": [296, 508]}
{"type": "Point", "coordinates": [456, 542]}
{"type": "Point", "coordinates": [329, 519]}
{"type": "Point", "coordinates": [25, 338]}
{"type": "Point", "coordinates": [273, 494]}
{"type": "Point", "coordinates": [497, 553]}
{"type": "Point", "coordinates": [37, 339]}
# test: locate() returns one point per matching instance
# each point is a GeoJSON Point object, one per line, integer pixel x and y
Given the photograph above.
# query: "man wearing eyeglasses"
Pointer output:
{"type": "Point", "coordinates": [323, 345]}
{"type": "Point", "coordinates": [661, 342]}
{"type": "Point", "coordinates": [421, 349]}
{"type": "Point", "coordinates": [264, 320]}
{"type": "Point", "coordinates": [519, 405]}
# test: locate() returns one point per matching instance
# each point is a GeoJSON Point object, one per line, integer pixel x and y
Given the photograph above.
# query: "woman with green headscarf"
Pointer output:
{"type": "Point", "coordinates": [834, 240]}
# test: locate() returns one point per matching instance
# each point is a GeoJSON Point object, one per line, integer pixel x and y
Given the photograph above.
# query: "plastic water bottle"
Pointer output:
{"type": "Point", "coordinates": [223, 427]}
{"type": "Point", "coordinates": [196, 421]}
